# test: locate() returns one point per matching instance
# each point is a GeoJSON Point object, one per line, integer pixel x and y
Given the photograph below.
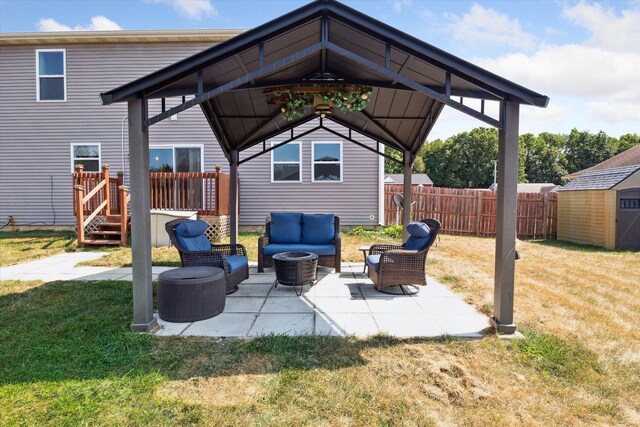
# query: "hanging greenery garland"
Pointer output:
{"type": "Point", "coordinates": [295, 99]}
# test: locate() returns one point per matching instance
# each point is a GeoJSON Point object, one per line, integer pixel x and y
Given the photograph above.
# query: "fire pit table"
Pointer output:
{"type": "Point", "coordinates": [295, 269]}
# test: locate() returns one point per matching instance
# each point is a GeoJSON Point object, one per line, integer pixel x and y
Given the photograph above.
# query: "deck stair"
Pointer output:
{"type": "Point", "coordinates": [97, 202]}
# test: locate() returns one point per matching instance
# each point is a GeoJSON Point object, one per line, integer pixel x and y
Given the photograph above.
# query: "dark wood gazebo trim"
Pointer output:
{"type": "Point", "coordinates": [393, 63]}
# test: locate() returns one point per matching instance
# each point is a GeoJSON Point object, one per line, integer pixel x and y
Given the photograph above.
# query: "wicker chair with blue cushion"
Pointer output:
{"type": "Point", "coordinates": [403, 265]}
{"type": "Point", "coordinates": [297, 232]}
{"type": "Point", "coordinates": [188, 236]}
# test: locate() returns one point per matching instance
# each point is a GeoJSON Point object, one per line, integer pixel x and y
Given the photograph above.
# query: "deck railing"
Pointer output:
{"type": "Point", "coordinates": [473, 212]}
{"type": "Point", "coordinates": [204, 192]}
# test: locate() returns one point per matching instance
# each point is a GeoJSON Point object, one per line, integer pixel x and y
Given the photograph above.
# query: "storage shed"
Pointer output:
{"type": "Point", "coordinates": [602, 208]}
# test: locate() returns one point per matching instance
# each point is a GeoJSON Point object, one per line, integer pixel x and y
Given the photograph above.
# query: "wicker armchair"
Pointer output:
{"type": "Point", "coordinates": [323, 260]}
{"type": "Point", "coordinates": [401, 267]}
{"type": "Point", "coordinates": [217, 257]}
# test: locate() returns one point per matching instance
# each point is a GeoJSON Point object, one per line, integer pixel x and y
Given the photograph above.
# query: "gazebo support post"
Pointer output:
{"type": "Point", "coordinates": [502, 319]}
{"type": "Point", "coordinates": [143, 320]}
{"type": "Point", "coordinates": [406, 193]}
{"type": "Point", "coordinates": [233, 197]}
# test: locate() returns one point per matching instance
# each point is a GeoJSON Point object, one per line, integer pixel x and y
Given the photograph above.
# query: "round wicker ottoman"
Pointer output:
{"type": "Point", "coordinates": [188, 294]}
{"type": "Point", "coordinates": [295, 269]}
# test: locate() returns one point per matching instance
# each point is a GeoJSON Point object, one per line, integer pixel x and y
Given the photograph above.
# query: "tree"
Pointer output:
{"type": "Point", "coordinates": [545, 161]}
{"type": "Point", "coordinates": [584, 149]}
{"type": "Point", "coordinates": [627, 141]}
{"type": "Point", "coordinates": [465, 160]}
{"type": "Point", "coordinates": [394, 167]}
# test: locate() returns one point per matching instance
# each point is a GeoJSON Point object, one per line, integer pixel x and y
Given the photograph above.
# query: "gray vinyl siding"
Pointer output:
{"type": "Point", "coordinates": [35, 139]}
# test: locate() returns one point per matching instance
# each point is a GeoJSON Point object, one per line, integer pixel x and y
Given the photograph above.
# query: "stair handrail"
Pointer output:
{"type": "Point", "coordinates": [81, 200]}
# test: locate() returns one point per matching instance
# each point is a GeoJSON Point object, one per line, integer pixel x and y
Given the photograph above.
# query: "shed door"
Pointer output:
{"type": "Point", "coordinates": [628, 219]}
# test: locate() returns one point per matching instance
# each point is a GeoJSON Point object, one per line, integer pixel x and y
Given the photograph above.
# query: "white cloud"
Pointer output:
{"type": "Point", "coordinates": [399, 5]}
{"type": "Point", "coordinates": [194, 9]}
{"type": "Point", "coordinates": [484, 25]}
{"type": "Point", "coordinates": [614, 112]}
{"type": "Point", "coordinates": [608, 30]}
{"type": "Point", "coordinates": [573, 70]}
{"type": "Point", "coordinates": [98, 23]}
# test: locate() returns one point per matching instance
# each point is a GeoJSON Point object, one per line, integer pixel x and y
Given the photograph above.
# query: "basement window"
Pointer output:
{"type": "Point", "coordinates": [286, 163]}
{"type": "Point", "coordinates": [327, 161]}
{"type": "Point", "coordinates": [51, 79]}
{"type": "Point", "coordinates": [87, 155]}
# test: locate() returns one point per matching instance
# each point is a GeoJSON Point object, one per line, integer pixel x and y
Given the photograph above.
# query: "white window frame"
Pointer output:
{"type": "Point", "coordinates": [64, 76]}
{"type": "Point", "coordinates": [299, 162]}
{"type": "Point", "coordinates": [173, 153]}
{"type": "Point", "coordinates": [313, 162]}
{"type": "Point", "coordinates": [74, 158]}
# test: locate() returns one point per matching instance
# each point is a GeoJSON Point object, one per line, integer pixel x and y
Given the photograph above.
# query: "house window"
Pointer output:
{"type": "Point", "coordinates": [327, 162]}
{"type": "Point", "coordinates": [175, 159]}
{"type": "Point", "coordinates": [285, 163]}
{"type": "Point", "coordinates": [87, 155]}
{"type": "Point", "coordinates": [51, 80]}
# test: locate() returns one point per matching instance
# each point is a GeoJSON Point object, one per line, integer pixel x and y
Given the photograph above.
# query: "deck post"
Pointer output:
{"type": "Point", "coordinates": [107, 189]}
{"type": "Point", "coordinates": [143, 320]}
{"type": "Point", "coordinates": [233, 197]}
{"type": "Point", "coordinates": [406, 192]}
{"type": "Point", "coordinates": [502, 319]}
{"type": "Point", "coordinates": [78, 193]}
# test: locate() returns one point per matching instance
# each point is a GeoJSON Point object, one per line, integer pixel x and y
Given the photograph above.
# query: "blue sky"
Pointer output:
{"type": "Point", "coordinates": [584, 55]}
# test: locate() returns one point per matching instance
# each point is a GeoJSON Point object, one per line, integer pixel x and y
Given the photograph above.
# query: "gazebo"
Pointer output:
{"type": "Point", "coordinates": [323, 43]}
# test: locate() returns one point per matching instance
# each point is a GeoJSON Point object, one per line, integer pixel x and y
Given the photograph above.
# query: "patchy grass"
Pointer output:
{"type": "Point", "coordinates": [22, 246]}
{"type": "Point", "coordinates": [68, 357]}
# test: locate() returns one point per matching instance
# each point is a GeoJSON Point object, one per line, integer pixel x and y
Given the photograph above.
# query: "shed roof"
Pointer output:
{"type": "Point", "coordinates": [626, 158]}
{"type": "Point", "coordinates": [325, 42]}
{"type": "Point", "coordinates": [601, 179]}
{"type": "Point", "coordinates": [416, 179]}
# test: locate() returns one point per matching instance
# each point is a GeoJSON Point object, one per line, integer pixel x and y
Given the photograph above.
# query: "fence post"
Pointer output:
{"type": "Point", "coordinates": [79, 195]}
{"type": "Point", "coordinates": [107, 192]}
{"type": "Point", "coordinates": [478, 212]}
{"type": "Point", "coordinates": [545, 216]}
{"type": "Point", "coordinates": [78, 180]}
{"type": "Point", "coordinates": [122, 202]}
{"type": "Point", "coordinates": [217, 191]}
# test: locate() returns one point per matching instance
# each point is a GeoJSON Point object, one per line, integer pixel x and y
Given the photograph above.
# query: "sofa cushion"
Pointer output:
{"type": "Point", "coordinates": [318, 229]}
{"type": "Point", "coordinates": [190, 235]}
{"type": "Point", "coordinates": [236, 262]}
{"type": "Point", "coordinates": [277, 248]}
{"type": "Point", "coordinates": [286, 228]}
{"type": "Point", "coordinates": [420, 235]}
{"type": "Point", "coordinates": [373, 261]}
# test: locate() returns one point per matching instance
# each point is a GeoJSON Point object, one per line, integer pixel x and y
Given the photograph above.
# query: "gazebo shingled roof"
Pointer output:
{"type": "Point", "coordinates": [324, 42]}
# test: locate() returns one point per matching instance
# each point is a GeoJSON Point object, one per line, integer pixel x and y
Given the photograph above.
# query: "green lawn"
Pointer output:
{"type": "Point", "coordinates": [68, 358]}
{"type": "Point", "coordinates": [21, 246]}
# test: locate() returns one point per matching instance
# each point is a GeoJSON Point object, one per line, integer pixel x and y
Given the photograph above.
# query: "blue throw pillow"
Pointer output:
{"type": "Point", "coordinates": [190, 235]}
{"type": "Point", "coordinates": [418, 229]}
{"type": "Point", "coordinates": [318, 229]}
{"type": "Point", "coordinates": [286, 228]}
{"type": "Point", "coordinates": [416, 243]}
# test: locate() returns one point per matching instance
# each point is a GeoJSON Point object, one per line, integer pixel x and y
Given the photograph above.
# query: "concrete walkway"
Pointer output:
{"type": "Point", "coordinates": [339, 304]}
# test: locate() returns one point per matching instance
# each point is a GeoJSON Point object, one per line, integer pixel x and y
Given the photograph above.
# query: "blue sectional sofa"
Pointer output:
{"type": "Point", "coordinates": [289, 232]}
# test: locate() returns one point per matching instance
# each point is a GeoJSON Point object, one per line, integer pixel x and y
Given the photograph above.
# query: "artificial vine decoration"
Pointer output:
{"type": "Point", "coordinates": [295, 99]}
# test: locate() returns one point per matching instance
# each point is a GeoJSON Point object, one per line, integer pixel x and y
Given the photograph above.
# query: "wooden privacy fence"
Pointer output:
{"type": "Point", "coordinates": [464, 211]}
{"type": "Point", "coordinates": [205, 192]}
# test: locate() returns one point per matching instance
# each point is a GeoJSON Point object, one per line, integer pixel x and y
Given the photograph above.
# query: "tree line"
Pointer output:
{"type": "Point", "coordinates": [466, 160]}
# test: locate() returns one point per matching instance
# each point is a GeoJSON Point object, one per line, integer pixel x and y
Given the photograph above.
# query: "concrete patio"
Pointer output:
{"type": "Point", "coordinates": [339, 304]}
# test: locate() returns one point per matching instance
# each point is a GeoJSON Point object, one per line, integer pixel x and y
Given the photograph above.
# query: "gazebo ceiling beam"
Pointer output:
{"type": "Point", "coordinates": [266, 69]}
{"type": "Point", "coordinates": [285, 142]}
{"type": "Point", "coordinates": [383, 71]}
{"type": "Point", "coordinates": [365, 132]}
{"type": "Point", "coordinates": [381, 128]}
{"type": "Point", "coordinates": [260, 128]}
{"type": "Point", "coordinates": [257, 139]}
